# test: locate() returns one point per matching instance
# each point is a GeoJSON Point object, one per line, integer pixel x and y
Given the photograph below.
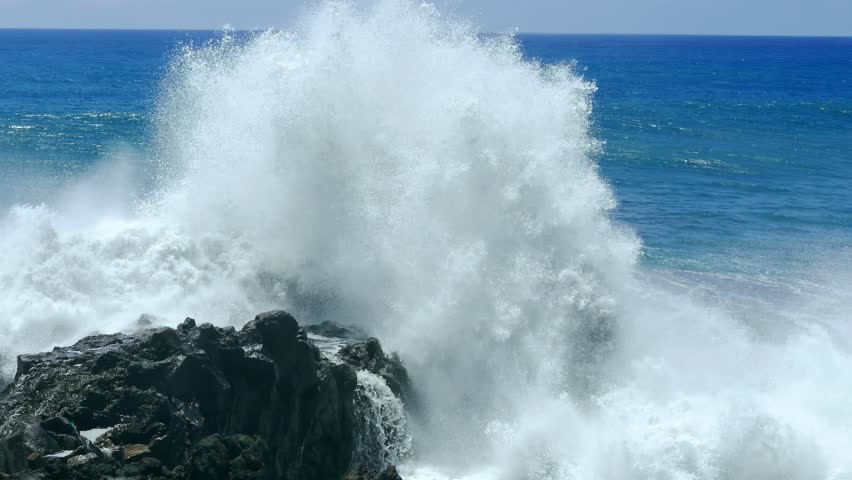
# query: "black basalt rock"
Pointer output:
{"type": "Point", "coordinates": [368, 355]}
{"type": "Point", "coordinates": [196, 402]}
{"type": "Point", "coordinates": [363, 472]}
{"type": "Point", "coordinates": [232, 457]}
{"type": "Point", "coordinates": [332, 330]}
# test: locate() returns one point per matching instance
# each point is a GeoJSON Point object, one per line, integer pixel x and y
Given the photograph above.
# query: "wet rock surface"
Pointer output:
{"type": "Point", "coordinates": [195, 402]}
{"type": "Point", "coordinates": [332, 330]}
{"type": "Point", "coordinates": [363, 472]}
{"type": "Point", "coordinates": [368, 355]}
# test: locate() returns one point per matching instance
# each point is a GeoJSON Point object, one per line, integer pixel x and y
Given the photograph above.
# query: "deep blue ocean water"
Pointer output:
{"type": "Point", "coordinates": [726, 354]}
{"type": "Point", "coordinates": [727, 154]}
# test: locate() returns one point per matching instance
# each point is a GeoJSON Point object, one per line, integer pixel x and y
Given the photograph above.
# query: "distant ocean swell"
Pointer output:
{"type": "Point", "coordinates": [390, 168]}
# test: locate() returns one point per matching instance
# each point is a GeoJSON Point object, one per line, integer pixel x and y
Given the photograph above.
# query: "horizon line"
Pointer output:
{"type": "Point", "coordinates": [623, 34]}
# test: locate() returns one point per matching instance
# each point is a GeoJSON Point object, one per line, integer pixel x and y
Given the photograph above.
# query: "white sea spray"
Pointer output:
{"type": "Point", "coordinates": [387, 166]}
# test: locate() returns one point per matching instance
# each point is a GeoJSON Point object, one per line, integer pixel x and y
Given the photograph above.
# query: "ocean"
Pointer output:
{"type": "Point", "coordinates": [601, 256]}
{"type": "Point", "coordinates": [717, 147]}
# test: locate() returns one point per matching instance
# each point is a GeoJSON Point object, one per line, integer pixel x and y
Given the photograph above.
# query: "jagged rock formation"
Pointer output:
{"type": "Point", "coordinates": [369, 356]}
{"type": "Point", "coordinates": [196, 402]}
{"type": "Point", "coordinates": [363, 472]}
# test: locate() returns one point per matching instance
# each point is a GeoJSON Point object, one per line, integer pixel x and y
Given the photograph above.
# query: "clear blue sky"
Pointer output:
{"type": "Point", "coordinates": [750, 17]}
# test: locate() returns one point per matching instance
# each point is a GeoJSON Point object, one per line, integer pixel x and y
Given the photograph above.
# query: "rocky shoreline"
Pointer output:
{"type": "Point", "coordinates": [199, 402]}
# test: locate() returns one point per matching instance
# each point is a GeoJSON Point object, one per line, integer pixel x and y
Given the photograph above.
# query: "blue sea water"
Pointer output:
{"type": "Point", "coordinates": [726, 154]}
{"type": "Point", "coordinates": [722, 148]}
{"type": "Point", "coordinates": [385, 169]}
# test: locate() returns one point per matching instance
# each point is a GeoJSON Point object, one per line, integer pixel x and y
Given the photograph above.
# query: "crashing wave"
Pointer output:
{"type": "Point", "coordinates": [389, 167]}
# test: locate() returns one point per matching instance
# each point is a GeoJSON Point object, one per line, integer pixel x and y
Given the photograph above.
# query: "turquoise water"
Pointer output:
{"type": "Point", "coordinates": [725, 153]}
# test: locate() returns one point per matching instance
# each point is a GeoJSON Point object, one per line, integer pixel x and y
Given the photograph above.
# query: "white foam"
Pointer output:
{"type": "Point", "coordinates": [95, 433]}
{"type": "Point", "coordinates": [388, 166]}
{"type": "Point", "coordinates": [62, 454]}
{"type": "Point", "coordinates": [382, 435]}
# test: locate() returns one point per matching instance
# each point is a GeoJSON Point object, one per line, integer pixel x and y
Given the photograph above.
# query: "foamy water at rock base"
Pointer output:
{"type": "Point", "coordinates": [388, 167]}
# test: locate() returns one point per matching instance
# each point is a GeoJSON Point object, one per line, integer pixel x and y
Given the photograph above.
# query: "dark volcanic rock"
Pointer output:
{"type": "Point", "coordinates": [368, 355]}
{"type": "Point", "coordinates": [363, 472]}
{"type": "Point", "coordinates": [332, 330]}
{"type": "Point", "coordinates": [196, 402]}
{"type": "Point", "coordinates": [389, 473]}
{"type": "Point", "coordinates": [229, 457]}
